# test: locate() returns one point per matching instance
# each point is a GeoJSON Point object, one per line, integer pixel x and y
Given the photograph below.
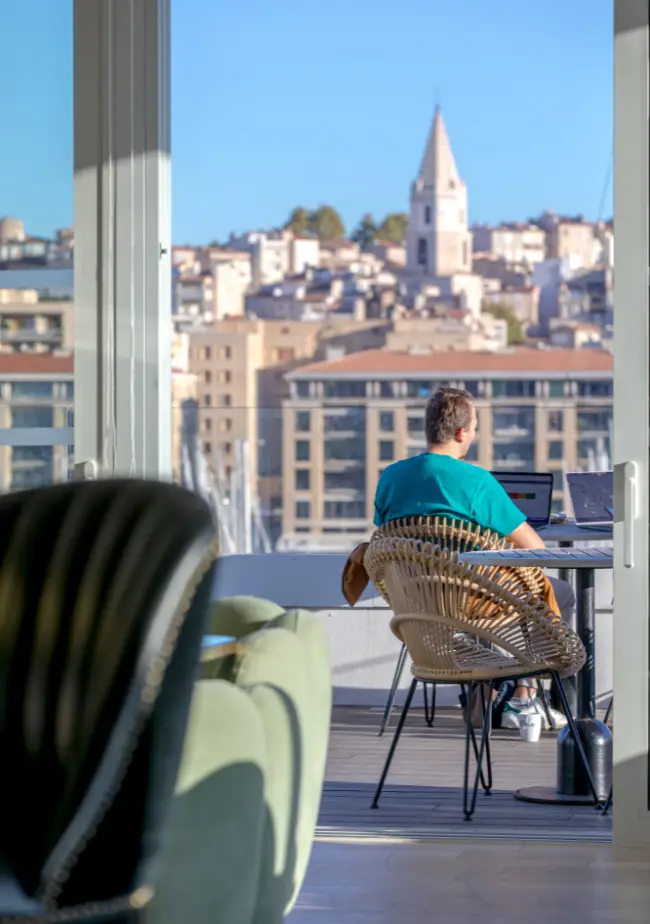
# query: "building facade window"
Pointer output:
{"type": "Point", "coordinates": [303, 451]}
{"type": "Point", "coordinates": [303, 421]}
{"type": "Point", "coordinates": [422, 252]}
{"type": "Point", "coordinates": [344, 389]}
{"type": "Point", "coordinates": [302, 479]}
{"type": "Point", "coordinates": [350, 420]}
{"type": "Point", "coordinates": [556, 450]}
{"type": "Point", "coordinates": [386, 450]}
{"type": "Point", "coordinates": [344, 450]}
{"type": "Point", "coordinates": [595, 389]}
{"type": "Point", "coordinates": [345, 481]}
{"type": "Point", "coordinates": [344, 510]}
{"type": "Point", "coordinates": [303, 510]}
{"type": "Point", "coordinates": [556, 421]}
{"type": "Point", "coordinates": [386, 421]}
{"type": "Point", "coordinates": [513, 388]}
{"type": "Point", "coordinates": [427, 214]}
{"type": "Point", "coordinates": [420, 389]}
{"type": "Point", "coordinates": [597, 420]}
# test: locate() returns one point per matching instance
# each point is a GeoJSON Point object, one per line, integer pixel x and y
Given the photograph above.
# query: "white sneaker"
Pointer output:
{"type": "Point", "coordinates": [516, 707]}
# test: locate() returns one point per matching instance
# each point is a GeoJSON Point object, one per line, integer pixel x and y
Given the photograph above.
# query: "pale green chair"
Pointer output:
{"type": "Point", "coordinates": [252, 774]}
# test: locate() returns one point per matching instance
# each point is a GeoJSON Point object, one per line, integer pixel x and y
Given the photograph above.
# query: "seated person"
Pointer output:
{"type": "Point", "coordinates": [439, 483]}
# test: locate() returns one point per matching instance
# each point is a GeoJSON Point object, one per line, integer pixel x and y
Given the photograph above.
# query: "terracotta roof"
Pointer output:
{"type": "Point", "coordinates": [35, 364]}
{"type": "Point", "coordinates": [457, 362]}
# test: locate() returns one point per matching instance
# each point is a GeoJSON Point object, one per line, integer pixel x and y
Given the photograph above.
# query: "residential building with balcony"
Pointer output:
{"type": "Point", "coordinates": [32, 324]}
{"type": "Point", "coordinates": [36, 419]}
{"type": "Point", "coordinates": [346, 420]}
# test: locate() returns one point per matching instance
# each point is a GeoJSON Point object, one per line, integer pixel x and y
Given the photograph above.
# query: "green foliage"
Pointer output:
{"type": "Point", "coordinates": [393, 228]}
{"type": "Point", "coordinates": [298, 221]}
{"type": "Point", "coordinates": [365, 232]}
{"type": "Point", "coordinates": [324, 223]}
{"type": "Point", "coordinates": [505, 313]}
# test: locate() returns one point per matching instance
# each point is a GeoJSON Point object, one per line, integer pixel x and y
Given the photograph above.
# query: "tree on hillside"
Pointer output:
{"type": "Point", "coordinates": [298, 221]}
{"type": "Point", "coordinates": [365, 232]}
{"type": "Point", "coordinates": [326, 224]}
{"type": "Point", "coordinates": [393, 228]}
{"type": "Point", "coordinates": [505, 313]}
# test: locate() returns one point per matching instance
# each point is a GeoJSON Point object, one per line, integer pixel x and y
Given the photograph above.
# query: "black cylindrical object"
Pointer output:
{"type": "Point", "coordinates": [597, 741]}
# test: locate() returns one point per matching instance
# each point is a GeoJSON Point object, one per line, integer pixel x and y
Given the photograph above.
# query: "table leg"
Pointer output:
{"type": "Point", "coordinates": [571, 683]}
{"type": "Point", "coordinates": [572, 786]}
{"type": "Point", "coordinates": [585, 612]}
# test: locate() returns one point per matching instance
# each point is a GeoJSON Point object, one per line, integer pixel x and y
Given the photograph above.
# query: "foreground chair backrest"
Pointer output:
{"type": "Point", "coordinates": [252, 773]}
{"type": "Point", "coordinates": [104, 592]}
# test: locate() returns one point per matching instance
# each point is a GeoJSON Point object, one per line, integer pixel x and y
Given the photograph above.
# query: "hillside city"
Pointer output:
{"type": "Point", "coordinates": [302, 357]}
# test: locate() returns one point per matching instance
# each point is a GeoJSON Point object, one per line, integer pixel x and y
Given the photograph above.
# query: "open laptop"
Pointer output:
{"type": "Point", "coordinates": [532, 492]}
{"type": "Point", "coordinates": [592, 497]}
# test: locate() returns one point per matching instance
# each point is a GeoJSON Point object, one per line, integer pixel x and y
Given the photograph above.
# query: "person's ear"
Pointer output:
{"type": "Point", "coordinates": [459, 435]}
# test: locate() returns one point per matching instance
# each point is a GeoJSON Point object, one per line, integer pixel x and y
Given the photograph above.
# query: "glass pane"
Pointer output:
{"type": "Point", "coordinates": [36, 246]}
{"type": "Point", "coordinates": [314, 338]}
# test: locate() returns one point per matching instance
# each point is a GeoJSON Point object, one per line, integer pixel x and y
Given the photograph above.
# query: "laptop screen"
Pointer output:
{"type": "Point", "coordinates": [591, 496]}
{"type": "Point", "coordinates": [532, 492]}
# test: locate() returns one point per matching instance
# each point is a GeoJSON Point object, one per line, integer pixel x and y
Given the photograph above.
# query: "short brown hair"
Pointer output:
{"type": "Point", "coordinates": [448, 410]}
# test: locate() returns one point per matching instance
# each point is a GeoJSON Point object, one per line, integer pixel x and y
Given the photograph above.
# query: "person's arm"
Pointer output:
{"type": "Point", "coordinates": [525, 537]}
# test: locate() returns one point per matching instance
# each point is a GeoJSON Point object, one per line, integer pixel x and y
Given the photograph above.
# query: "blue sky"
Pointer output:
{"type": "Point", "coordinates": [286, 103]}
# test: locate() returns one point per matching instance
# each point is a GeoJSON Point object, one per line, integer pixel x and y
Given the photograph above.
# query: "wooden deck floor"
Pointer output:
{"type": "Point", "coordinates": [423, 794]}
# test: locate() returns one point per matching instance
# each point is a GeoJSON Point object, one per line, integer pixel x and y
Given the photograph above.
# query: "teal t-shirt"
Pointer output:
{"type": "Point", "coordinates": [432, 485]}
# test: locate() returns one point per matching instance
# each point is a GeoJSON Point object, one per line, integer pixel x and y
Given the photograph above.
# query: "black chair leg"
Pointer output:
{"type": "Point", "coordinates": [470, 805]}
{"type": "Point", "coordinates": [429, 712]}
{"type": "Point", "coordinates": [398, 732]}
{"type": "Point", "coordinates": [485, 783]}
{"type": "Point", "coordinates": [397, 676]}
{"type": "Point", "coordinates": [576, 735]}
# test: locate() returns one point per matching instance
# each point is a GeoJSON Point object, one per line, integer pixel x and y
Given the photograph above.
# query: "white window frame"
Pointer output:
{"type": "Point", "coordinates": [122, 268]}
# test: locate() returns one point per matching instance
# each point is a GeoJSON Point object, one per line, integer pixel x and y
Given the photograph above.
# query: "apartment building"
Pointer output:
{"type": "Point", "coordinates": [31, 324]}
{"type": "Point", "coordinates": [575, 238]}
{"type": "Point", "coordinates": [346, 420]}
{"type": "Point", "coordinates": [240, 366]}
{"type": "Point", "coordinates": [36, 419]}
{"type": "Point", "coordinates": [514, 242]}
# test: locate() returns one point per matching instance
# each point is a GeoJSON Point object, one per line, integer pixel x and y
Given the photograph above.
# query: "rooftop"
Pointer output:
{"type": "Point", "coordinates": [457, 362]}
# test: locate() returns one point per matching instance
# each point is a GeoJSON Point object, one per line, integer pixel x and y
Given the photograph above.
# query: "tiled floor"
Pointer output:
{"type": "Point", "coordinates": [457, 882]}
{"type": "Point", "coordinates": [423, 796]}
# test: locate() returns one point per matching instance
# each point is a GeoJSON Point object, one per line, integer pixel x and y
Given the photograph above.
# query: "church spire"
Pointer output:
{"type": "Point", "coordinates": [438, 168]}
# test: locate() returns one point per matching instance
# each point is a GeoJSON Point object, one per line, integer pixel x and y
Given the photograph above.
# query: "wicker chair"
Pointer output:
{"type": "Point", "coordinates": [472, 539]}
{"type": "Point", "coordinates": [470, 626]}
